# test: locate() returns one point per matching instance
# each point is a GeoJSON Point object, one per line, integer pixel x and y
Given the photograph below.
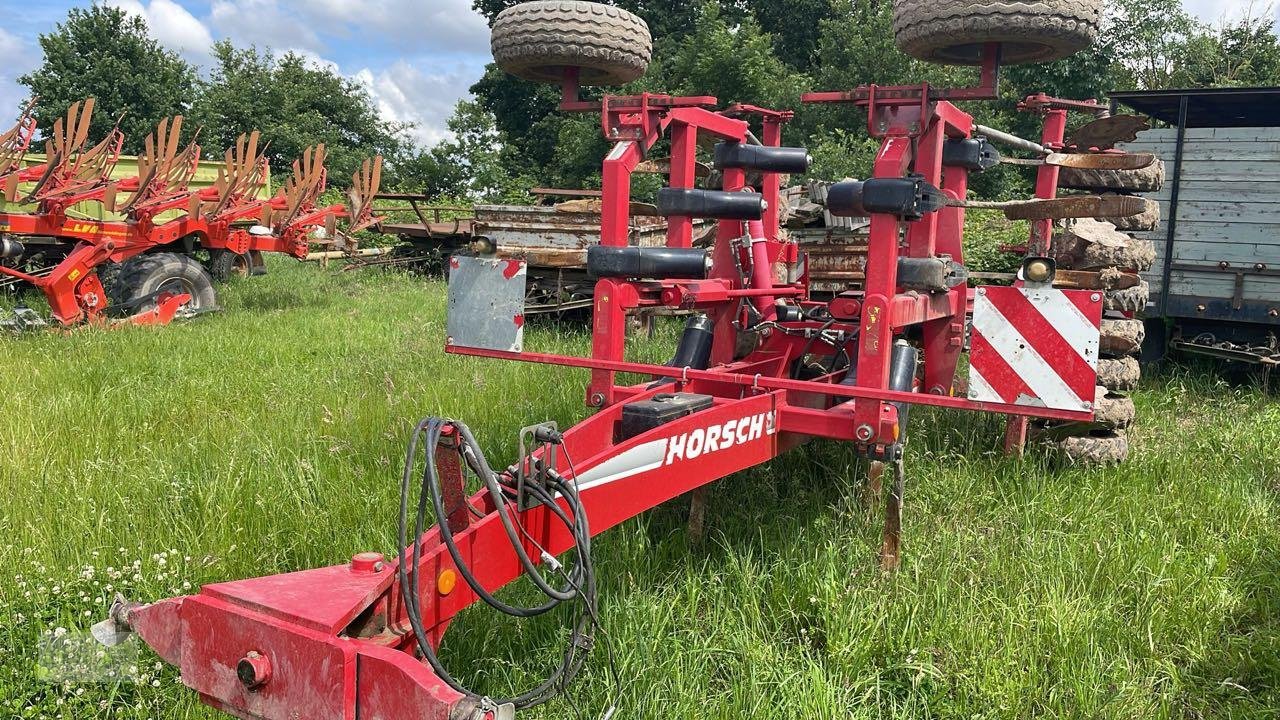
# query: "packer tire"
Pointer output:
{"type": "Point", "coordinates": [1095, 245]}
{"type": "Point", "coordinates": [224, 265]}
{"type": "Point", "coordinates": [1132, 299]}
{"type": "Point", "coordinates": [1148, 179]}
{"type": "Point", "coordinates": [538, 40]}
{"type": "Point", "coordinates": [953, 32]}
{"type": "Point", "coordinates": [1113, 410]}
{"type": "Point", "coordinates": [1100, 447]}
{"type": "Point", "coordinates": [1122, 374]}
{"type": "Point", "coordinates": [1122, 337]}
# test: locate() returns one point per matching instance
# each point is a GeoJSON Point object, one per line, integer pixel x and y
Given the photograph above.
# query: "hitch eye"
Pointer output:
{"type": "Point", "coordinates": [1039, 270]}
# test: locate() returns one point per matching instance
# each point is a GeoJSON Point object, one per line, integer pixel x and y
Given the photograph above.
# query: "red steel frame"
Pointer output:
{"type": "Point", "coordinates": [334, 643]}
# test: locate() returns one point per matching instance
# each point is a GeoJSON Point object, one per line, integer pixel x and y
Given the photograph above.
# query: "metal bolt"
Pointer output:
{"type": "Point", "coordinates": [1260, 267]}
{"type": "Point", "coordinates": [865, 433]}
{"type": "Point", "coordinates": [1096, 297]}
{"type": "Point", "coordinates": [597, 400]}
{"type": "Point", "coordinates": [368, 562]}
{"type": "Point", "coordinates": [1201, 308]}
{"type": "Point", "coordinates": [982, 291]}
{"type": "Point", "coordinates": [1273, 313]}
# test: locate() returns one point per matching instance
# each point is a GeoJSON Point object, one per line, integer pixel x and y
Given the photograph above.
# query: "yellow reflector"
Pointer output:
{"type": "Point", "coordinates": [447, 581]}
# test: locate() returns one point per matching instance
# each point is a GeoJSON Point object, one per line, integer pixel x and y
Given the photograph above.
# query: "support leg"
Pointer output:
{"type": "Point", "coordinates": [891, 549]}
{"type": "Point", "coordinates": [1015, 436]}
{"type": "Point", "coordinates": [698, 501]}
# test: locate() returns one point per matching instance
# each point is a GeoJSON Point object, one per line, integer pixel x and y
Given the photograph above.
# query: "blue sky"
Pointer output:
{"type": "Point", "coordinates": [417, 57]}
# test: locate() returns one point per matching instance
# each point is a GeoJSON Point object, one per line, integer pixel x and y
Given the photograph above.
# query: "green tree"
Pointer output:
{"type": "Point", "coordinates": [295, 104]}
{"type": "Point", "coordinates": [473, 159]}
{"type": "Point", "coordinates": [1242, 53]}
{"type": "Point", "coordinates": [104, 53]}
{"type": "Point", "coordinates": [1150, 39]}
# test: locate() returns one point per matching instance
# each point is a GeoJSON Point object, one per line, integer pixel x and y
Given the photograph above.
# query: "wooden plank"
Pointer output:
{"type": "Point", "coordinates": [1170, 135]}
{"type": "Point", "coordinates": [1264, 289]}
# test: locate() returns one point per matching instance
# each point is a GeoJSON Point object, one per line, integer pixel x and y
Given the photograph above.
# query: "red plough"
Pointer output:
{"type": "Point", "coordinates": [760, 369]}
{"type": "Point", "coordinates": [162, 216]}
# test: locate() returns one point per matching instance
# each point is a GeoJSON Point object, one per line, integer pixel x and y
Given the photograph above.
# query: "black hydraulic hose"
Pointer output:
{"type": "Point", "coordinates": [581, 579]}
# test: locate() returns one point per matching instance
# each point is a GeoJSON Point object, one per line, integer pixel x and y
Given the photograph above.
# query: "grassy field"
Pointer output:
{"type": "Point", "coordinates": [267, 439]}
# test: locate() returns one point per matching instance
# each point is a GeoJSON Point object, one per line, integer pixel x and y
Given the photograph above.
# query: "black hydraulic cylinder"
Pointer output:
{"type": "Point", "coordinates": [762, 158]}
{"type": "Point", "coordinates": [902, 376]}
{"type": "Point", "coordinates": [10, 248]}
{"type": "Point", "coordinates": [970, 153]}
{"type": "Point", "coordinates": [908, 198]}
{"type": "Point", "coordinates": [694, 350]}
{"type": "Point", "coordinates": [657, 263]}
{"type": "Point", "coordinates": [714, 204]}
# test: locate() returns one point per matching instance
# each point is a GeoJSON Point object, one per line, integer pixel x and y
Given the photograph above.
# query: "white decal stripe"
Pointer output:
{"type": "Point", "coordinates": [1079, 332]}
{"type": "Point", "coordinates": [980, 389]}
{"type": "Point", "coordinates": [1023, 357]}
{"type": "Point", "coordinates": [639, 459]}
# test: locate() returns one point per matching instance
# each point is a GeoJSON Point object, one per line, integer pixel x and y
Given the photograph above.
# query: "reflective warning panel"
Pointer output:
{"type": "Point", "coordinates": [486, 303]}
{"type": "Point", "coordinates": [1035, 346]}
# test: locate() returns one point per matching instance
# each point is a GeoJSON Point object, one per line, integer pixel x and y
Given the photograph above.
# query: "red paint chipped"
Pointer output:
{"type": "Point", "coordinates": [512, 269]}
{"type": "Point", "coordinates": [519, 321]}
{"type": "Point", "coordinates": [453, 262]}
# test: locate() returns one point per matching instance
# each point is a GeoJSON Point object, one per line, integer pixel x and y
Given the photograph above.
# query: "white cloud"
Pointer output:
{"type": "Point", "coordinates": [443, 25]}
{"type": "Point", "coordinates": [264, 23]}
{"type": "Point", "coordinates": [1213, 11]}
{"type": "Point", "coordinates": [172, 26]}
{"type": "Point", "coordinates": [404, 93]}
{"type": "Point", "coordinates": [17, 57]}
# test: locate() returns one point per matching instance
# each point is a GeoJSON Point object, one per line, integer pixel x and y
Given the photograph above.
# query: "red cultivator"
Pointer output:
{"type": "Point", "coordinates": [760, 370]}
{"type": "Point", "coordinates": [163, 220]}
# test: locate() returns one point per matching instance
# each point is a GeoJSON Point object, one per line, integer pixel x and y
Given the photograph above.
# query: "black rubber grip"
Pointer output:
{"type": "Point", "coordinates": [715, 204]}
{"type": "Point", "coordinates": [909, 198]}
{"type": "Point", "coordinates": [762, 158]}
{"type": "Point", "coordinates": [656, 263]}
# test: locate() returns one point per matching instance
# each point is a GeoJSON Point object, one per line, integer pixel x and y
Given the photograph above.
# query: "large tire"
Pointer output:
{"type": "Point", "coordinates": [1148, 179]}
{"type": "Point", "coordinates": [142, 277]}
{"type": "Point", "coordinates": [1100, 447]}
{"type": "Point", "coordinates": [1113, 410]}
{"type": "Point", "coordinates": [224, 265]}
{"type": "Point", "coordinates": [538, 40]}
{"type": "Point", "coordinates": [1121, 337]}
{"type": "Point", "coordinates": [953, 32]}
{"type": "Point", "coordinates": [1122, 374]}
{"type": "Point", "coordinates": [1093, 245]}
{"type": "Point", "coordinates": [1132, 299]}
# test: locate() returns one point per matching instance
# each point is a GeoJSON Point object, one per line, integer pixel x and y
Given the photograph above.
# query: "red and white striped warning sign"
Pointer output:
{"type": "Point", "coordinates": [1035, 346]}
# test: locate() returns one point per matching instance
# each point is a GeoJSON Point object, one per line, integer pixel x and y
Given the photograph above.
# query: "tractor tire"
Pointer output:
{"type": "Point", "coordinates": [1148, 179]}
{"type": "Point", "coordinates": [1121, 337]}
{"type": "Point", "coordinates": [1132, 299]}
{"type": "Point", "coordinates": [1100, 447]}
{"type": "Point", "coordinates": [144, 276]}
{"type": "Point", "coordinates": [1093, 245]}
{"type": "Point", "coordinates": [538, 40]}
{"type": "Point", "coordinates": [1146, 222]}
{"type": "Point", "coordinates": [1119, 373]}
{"type": "Point", "coordinates": [224, 265]}
{"type": "Point", "coordinates": [1114, 410]}
{"type": "Point", "coordinates": [953, 32]}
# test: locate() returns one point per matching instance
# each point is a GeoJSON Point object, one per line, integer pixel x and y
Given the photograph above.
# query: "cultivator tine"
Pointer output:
{"type": "Point", "coordinates": [1063, 208]}
{"type": "Point", "coordinates": [364, 187]}
{"type": "Point", "coordinates": [891, 547]}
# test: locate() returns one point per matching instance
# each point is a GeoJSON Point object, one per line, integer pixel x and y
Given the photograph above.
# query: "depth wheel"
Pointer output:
{"type": "Point", "coordinates": [1146, 180]}
{"type": "Point", "coordinates": [224, 265]}
{"type": "Point", "coordinates": [144, 279]}
{"type": "Point", "coordinates": [539, 40]}
{"type": "Point", "coordinates": [953, 32]}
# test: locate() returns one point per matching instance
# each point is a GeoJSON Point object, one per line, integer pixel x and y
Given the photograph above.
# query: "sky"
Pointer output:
{"type": "Point", "coordinates": [416, 57]}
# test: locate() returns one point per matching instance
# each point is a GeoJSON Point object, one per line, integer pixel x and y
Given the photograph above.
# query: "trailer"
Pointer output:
{"type": "Point", "coordinates": [1215, 283]}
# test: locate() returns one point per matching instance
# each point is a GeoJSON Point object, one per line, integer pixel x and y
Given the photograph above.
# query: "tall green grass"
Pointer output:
{"type": "Point", "coordinates": [267, 439]}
